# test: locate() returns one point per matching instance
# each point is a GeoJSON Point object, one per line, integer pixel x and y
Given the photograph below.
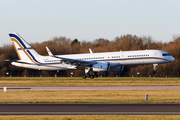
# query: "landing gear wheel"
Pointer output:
{"type": "Point", "coordinates": [84, 77]}
{"type": "Point", "coordinates": [92, 76]}
{"type": "Point", "coordinates": [96, 75]}
{"type": "Point", "coordinates": [87, 75]}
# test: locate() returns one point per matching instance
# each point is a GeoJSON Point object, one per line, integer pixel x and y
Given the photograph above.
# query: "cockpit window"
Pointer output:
{"type": "Point", "coordinates": [165, 54]}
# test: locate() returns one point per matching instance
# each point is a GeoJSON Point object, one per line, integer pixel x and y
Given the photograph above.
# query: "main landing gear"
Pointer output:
{"type": "Point", "coordinates": [154, 68]}
{"type": "Point", "coordinates": [94, 75]}
{"type": "Point", "coordinates": [89, 73]}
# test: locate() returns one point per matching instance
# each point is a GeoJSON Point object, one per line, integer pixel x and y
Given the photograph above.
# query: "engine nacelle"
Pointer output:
{"type": "Point", "coordinates": [117, 69]}
{"type": "Point", "coordinates": [101, 67]}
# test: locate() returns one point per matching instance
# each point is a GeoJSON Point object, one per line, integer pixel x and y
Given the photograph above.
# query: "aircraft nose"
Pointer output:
{"type": "Point", "coordinates": [172, 58]}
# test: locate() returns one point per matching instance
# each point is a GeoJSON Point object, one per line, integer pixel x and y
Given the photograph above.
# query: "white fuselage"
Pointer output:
{"type": "Point", "coordinates": [121, 58]}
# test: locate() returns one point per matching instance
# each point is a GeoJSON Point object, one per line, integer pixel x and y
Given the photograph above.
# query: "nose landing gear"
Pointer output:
{"type": "Point", "coordinates": [154, 68]}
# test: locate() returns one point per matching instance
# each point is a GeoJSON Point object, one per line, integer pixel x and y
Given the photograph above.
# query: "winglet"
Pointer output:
{"type": "Point", "coordinates": [49, 52]}
{"type": "Point", "coordinates": [90, 50]}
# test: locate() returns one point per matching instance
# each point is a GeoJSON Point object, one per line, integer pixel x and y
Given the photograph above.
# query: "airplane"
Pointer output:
{"type": "Point", "coordinates": [91, 62]}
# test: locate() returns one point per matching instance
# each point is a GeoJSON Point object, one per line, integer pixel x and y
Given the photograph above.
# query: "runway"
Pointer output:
{"type": "Point", "coordinates": [55, 88]}
{"type": "Point", "coordinates": [90, 109]}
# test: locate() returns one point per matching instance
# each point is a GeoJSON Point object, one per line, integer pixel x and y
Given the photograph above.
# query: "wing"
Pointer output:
{"type": "Point", "coordinates": [76, 62]}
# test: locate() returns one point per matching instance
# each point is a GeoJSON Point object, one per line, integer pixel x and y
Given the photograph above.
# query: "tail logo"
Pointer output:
{"type": "Point", "coordinates": [25, 47]}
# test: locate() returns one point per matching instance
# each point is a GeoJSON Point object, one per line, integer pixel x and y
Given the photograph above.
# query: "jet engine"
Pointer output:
{"type": "Point", "coordinates": [101, 67]}
{"type": "Point", "coordinates": [98, 67]}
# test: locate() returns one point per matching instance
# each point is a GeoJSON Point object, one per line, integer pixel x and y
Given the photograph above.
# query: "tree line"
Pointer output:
{"type": "Point", "coordinates": [63, 45]}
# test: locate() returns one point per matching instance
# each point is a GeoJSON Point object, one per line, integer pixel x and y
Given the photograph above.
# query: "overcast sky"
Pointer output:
{"type": "Point", "coordinates": [41, 20]}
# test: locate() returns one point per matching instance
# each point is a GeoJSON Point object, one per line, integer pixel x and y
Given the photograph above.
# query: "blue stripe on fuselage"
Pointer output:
{"type": "Point", "coordinates": [125, 59]}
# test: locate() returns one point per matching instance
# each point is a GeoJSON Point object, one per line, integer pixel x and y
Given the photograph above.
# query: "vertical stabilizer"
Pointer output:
{"type": "Point", "coordinates": [23, 49]}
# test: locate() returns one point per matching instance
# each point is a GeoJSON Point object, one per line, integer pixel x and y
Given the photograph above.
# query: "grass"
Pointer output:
{"type": "Point", "coordinates": [92, 96]}
{"type": "Point", "coordinates": [77, 81]}
{"type": "Point", "coordinates": [91, 117]}
{"type": "Point", "coordinates": [109, 96]}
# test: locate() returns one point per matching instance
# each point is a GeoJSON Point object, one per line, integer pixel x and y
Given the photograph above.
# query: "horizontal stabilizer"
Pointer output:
{"type": "Point", "coordinates": [18, 61]}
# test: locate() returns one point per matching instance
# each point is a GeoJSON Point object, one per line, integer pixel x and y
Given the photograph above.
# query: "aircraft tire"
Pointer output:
{"type": "Point", "coordinates": [84, 77]}
{"type": "Point", "coordinates": [95, 75]}
{"type": "Point", "coordinates": [92, 76]}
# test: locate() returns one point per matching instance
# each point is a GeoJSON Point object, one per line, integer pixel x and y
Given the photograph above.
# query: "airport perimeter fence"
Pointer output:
{"type": "Point", "coordinates": [74, 74]}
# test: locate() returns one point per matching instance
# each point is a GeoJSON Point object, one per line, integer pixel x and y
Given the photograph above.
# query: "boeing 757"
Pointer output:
{"type": "Point", "coordinates": [91, 62]}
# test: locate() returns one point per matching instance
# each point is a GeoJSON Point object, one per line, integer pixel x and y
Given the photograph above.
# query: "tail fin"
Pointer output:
{"type": "Point", "coordinates": [23, 49]}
